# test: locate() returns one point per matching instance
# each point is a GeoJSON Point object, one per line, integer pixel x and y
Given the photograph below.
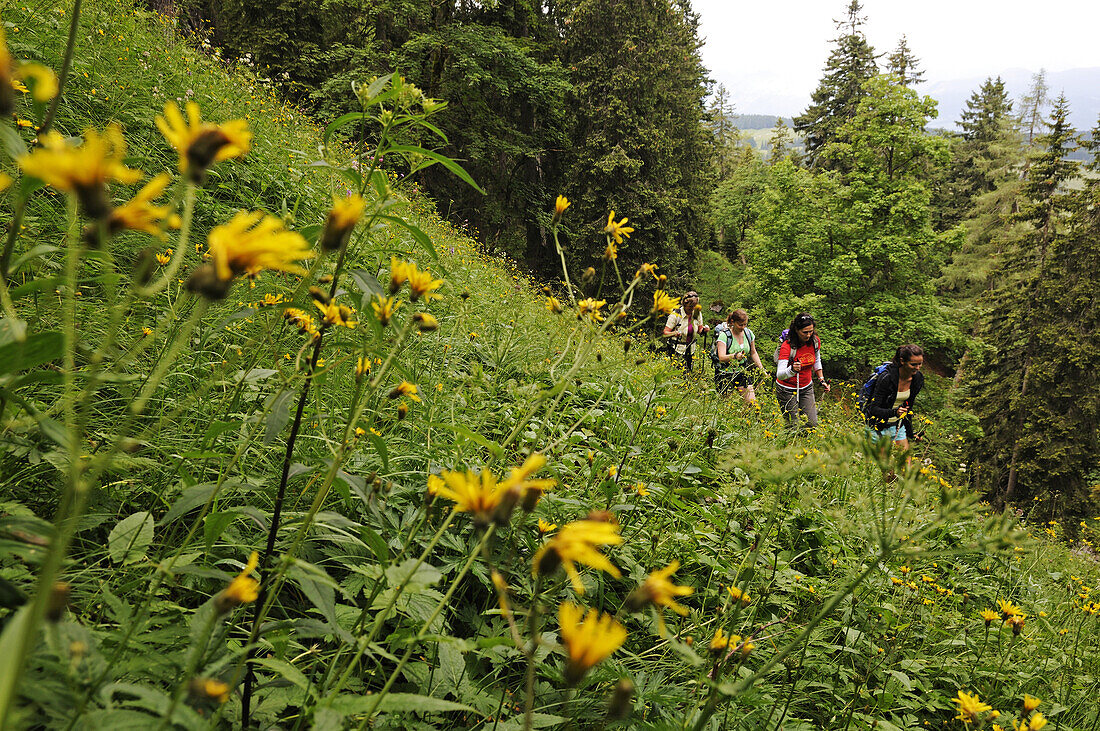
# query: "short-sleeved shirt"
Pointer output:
{"type": "Point", "coordinates": [681, 323]}
{"type": "Point", "coordinates": [733, 347]}
{"type": "Point", "coordinates": [808, 356]}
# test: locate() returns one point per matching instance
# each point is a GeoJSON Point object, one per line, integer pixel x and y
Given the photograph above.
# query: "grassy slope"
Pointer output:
{"type": "Point", "coordinates": [811, 508]}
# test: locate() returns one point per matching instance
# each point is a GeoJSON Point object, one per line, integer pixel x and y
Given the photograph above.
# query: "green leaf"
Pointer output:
{"type": "Point", "coordinates": [215, 524]}
{"type": "Point", "coordinates": [379, 445]}
{"type": "Point", "coordinates": [377, 545]}
{"type": "Point", "coordinates": [129, 539]}
{"type": "Point", "coordinates": [421, 238]}
{"type": "Point", "coordinates": [33, 253]}
{"type": "Point", "coordinates": [12, 143]}
{"type": "Point", "coordinates": [285, 669]}
{"type": "Point", "coordinates": [492, 446]}
{"type": "Point", "coordinates": [14, 629]}
{"type": "Point", "coordinates": [35, 350]}
{"type": "Point", "coordinates": [443, 160]}
{"type": "Point", "coordinates": [191, 498]}
{"type": "Point", "coordinates": [277, 416]}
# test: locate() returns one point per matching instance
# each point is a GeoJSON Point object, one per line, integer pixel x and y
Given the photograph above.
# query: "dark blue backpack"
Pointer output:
{"type": "Point", "coordinates": [867, 392]}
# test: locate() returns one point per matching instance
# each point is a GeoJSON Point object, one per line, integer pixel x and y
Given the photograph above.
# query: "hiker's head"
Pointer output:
{"type": "Point", "coordinates": [910, 356]}
{"type": "Point", "coordinates": [740, 318]}
{"type": "Point", "coordinates": [802, 329]}
{"type": "Point", "coordinates": [690, 300]}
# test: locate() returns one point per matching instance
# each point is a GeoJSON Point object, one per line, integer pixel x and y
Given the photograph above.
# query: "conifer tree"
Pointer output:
{"type": "Point", "coordinates": [834, 102]}
{"type": "Point", "coordinates": [639, 144]}
{"type": "Point", "coordinates": [1005, 388]}
{"type": "Point", "coordinates": [727, 137]}
{"type": "Point", "coordinates": [903, 64]}
{"type": "Point", "coordinates": [780, 142]}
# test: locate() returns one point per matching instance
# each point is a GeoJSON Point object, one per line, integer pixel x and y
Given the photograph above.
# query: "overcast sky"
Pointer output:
{"type": "Point", "coordinates": [770, 54]}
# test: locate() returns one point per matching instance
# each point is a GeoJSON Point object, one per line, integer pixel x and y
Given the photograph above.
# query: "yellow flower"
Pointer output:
{"type": "Point", "coordinates": [405, 389]}
{"type": "Point", "coordinates": [611, 253]}
{"type": "Point", "coordinates": [302, 320]}
{"type": "Point", "coordinates": [554, 305]}
{"type": "Point", "coordinates": [640, 488]}
{"type": "Point", "coordinates": [201, 144]}
{"type": "Point", "coordinates": [209, 689]}
{"type": "Point", "coordinates": [905, 569]}
{"type": "Point", "coordinates": [43, 80]}
{"type": "Point", "coordinates": [421, 284]}
{"type": "Point", "coordinates": [560, 205]}
{"type": "Point", "coordinates": [646, 270]}
{"type": "Point", "coordinates": [989, 615]}
{"type": "Point", "coordinates": [545, 527]}
{"type": "Point", "coordinates": [164, 258]}
{"type": "Point", "coordinates": [1008, 609]}
{"type": "Point", "coordinates": [341, 221]}
{"type": "Point", "coordinates": [399, 273]}
{"type": "Point", "coordinates": [970, 707]}
{"type": "Point", "coordinates": [721, 641]}
{"type": "Point", "coordinates": [519, 477]}
{"type": "Point", "coordinates": [576, 543]}
{"type": "Point", "coordinates": [659, 591]}
{"type": "Point", "coordinates": [1016, 622]}
{"type": "Point", "coordinates": [5, 181]}
{"type": "Point", "coordinates": [146, 331]}
{"type": "Point", "coordinates": [589, 641]}
{"type": "Point", "coordinates": [617, 231]}
{"type": "Point", "coordinates": [85, 170]}
{"type": "Point", "coordinates": [477, 493]}
{"type": "Point", "coordinates": [1037, 722]}
{"type": "Point", "coordinates": [336, 315]}
{"type": "Point", "coordinates": [139, 213]}
{"type": "Point", "coordinates": [664, 304]}
{"type": "Point", "coordinates": [739, 596]}
{"type": "Point", "coordinates": [591, 308]}
{"type": "Point", "coordinates": [248, 244]}
{"type": "Point", "coordinates": [243, 589]}
{"type": "Point", "coordinates": [1030, 703]}
{"type": "Point", "coordinates": [384, 308]}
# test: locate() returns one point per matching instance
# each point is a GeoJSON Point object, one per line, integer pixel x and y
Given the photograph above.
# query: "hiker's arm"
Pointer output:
{"type": "Point", "coordinates": [786, 368]}
{"type": "Point", "coordinates": [756, 356]}
{"type": "Point", "coordinates": [723, 356]}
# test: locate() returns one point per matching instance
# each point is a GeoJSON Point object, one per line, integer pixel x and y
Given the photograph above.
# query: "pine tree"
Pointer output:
{"type": "Point", "coordinates": [1005, 388]}
{"type": "Point", "coordinates": [834, 102]}
{"type": "Point", "coordinates": [1032, 106]}
{"type": "Point", "coordinates": [780, 142]}
{"type": "Point", "coordinates": [903, 64]}
{"type": "Point", "coordinates": [727, 138]}
{"type": "Point", "coordinates": [639, 143]}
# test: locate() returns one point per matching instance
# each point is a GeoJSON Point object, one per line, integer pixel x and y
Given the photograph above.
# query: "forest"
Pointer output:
{"type": "Point", "coordinates": [332, 393]}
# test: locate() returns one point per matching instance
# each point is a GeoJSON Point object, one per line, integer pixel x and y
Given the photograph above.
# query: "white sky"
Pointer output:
{"type": "Point", "coordinates": [770, 54]}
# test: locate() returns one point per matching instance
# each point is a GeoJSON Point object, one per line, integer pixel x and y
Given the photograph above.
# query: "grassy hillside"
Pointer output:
{"type": "Point", "coordinates": [144, 457]}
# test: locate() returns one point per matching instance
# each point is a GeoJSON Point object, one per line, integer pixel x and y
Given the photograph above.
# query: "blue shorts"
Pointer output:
{"type": "Point", "coordinates": [895, 433]}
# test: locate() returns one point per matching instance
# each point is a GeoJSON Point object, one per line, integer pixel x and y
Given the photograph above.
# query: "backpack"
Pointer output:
{"type": "Point", "coordinates": [867, 391]}
{"type": "Point", "coordinates": [783, 338]}
{"type": "Point", "coordinates": [723, 329]}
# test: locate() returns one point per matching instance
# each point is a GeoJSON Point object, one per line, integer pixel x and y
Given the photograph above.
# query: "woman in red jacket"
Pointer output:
{"type": "Point", "coordinates": [799, 363]}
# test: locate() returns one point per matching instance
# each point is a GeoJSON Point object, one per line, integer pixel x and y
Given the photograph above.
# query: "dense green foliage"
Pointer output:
{"type": "Point", "coordinates": [601, 98]}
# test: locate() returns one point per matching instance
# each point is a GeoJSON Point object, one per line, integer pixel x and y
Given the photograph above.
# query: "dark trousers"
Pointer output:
{"type": "Point", "coordinates": [791, 401]}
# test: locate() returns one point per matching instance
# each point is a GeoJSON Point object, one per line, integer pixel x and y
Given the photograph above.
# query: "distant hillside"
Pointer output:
{"type": "Point", "coordinates": [759, 121]}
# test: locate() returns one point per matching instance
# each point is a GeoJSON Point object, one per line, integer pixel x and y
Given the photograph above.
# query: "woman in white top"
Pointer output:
{"type": "Point", "coordinates": [683, 327]}
{"type": "Point", "coordinates": [735, 346]}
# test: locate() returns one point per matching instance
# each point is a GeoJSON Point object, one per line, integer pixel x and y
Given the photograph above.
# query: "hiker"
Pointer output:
{"type": "Point", "coordinates": [734, 347]}
{"type": "Point", "coordinates": [683, 327]}
{"type": "Point", "coordinates": [799, 362]}
{"type": "Point", "coordinates": [889, 410]}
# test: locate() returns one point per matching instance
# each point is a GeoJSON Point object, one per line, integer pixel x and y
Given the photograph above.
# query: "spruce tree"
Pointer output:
{"type": "Point", "coordinates": [903, 64]}
{"type": "Point", "coordinates": [1006, 388]}
{"type": "Point", "coordinates": [834, 102]}
{"type": "Point", "coordinates": [780, 142]}
{"type": "Point", "coordinates": [727, 137]}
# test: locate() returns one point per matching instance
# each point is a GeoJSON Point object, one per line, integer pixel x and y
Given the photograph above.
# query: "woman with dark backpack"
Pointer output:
{"type": "Point", "coordinates": [889, 411]}
{"type": "Point", "coordinates": [799, 361]}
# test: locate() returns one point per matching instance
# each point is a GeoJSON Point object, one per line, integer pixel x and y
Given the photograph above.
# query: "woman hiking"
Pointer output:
{"type": "Point", "coordinates": [889, 411]}
{"type": "Point", "coordinates": [735, 346]}
{"type": "Point", "coordinates": [683, 327]}
{"type": "Point", "coordinates": [799, 361]}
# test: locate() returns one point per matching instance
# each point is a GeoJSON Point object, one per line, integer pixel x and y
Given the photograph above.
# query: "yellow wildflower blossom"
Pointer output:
{"type": "Point", "coordinates": [617, 231]}
{"type": "Point", "coordinates": [44, 86]}
{"type": "Point", "coordinates": [336, 315]}
{"type": "Point", "coordinates": [341, 221]}
{"type": "Point", "coordinates": [384, 308]}
{"type": "Point", "coordinates": [1030, 703]}
{"type": "Point", "coordinates": [988, 615]}
{"type": "Point", "coordinates": [201, 144]}
{"type": "Point", "coordinates": [659, 591]}
{"type": "Point", "coordinates": [588, 641]}
{"type": "Point", "coordinates": [560, 205]}
{"type": "Point", "coordinates": [576, 543]}
{"type": "Point", "coordinates": [85, 170]}
{"type": "Point", "coordinates": [248, 244]}
{"type": "Point", "coordinates": [209, 689]}
{"type": "Point", "coordinates": [970, 707]}
{"type": "Point", "coordinates": [545, 527]}
{"type": "Point", "coordinates": [405, 389]}
{"type": "Point", "coordinates": [590, 307]}
{"type": "Point", "coordinates": [739, 596]}
{"type": "Point", "coordinates": [664, 304]}
{"type": "Point", "coordinates": [554, 305]}
{"type": "Point", "coordinates": [399, 273]}
{"type": "Point", "coordinates": [139, 213]}
{"type": "Point", "coordinates": [243, 589]}
{"type": "Point", "coordinates": [421, 284]}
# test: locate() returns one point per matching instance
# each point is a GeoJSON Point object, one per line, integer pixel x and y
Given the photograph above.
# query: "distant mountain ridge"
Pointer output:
{"type": "Point", "coordinates": [1081, 87]}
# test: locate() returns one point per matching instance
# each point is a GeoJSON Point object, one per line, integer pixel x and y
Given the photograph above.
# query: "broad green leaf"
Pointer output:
{"type": "Point", "coordinates": [277, 416]}
{"type": "Point", "coordinates": [14, 629]}
{"type": "Point", "coordinates": [35, 350]}
{"type": "Point", "coordinates": [492, 446]}
{"type": "Point", "coordinates": [129, 539]}
{"type": "Point", "coordinates": [443, 160]}
{"type": "Point", "coordinates": [285, 669]}
{"type": "Point", "coordinates": [421, 238]}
